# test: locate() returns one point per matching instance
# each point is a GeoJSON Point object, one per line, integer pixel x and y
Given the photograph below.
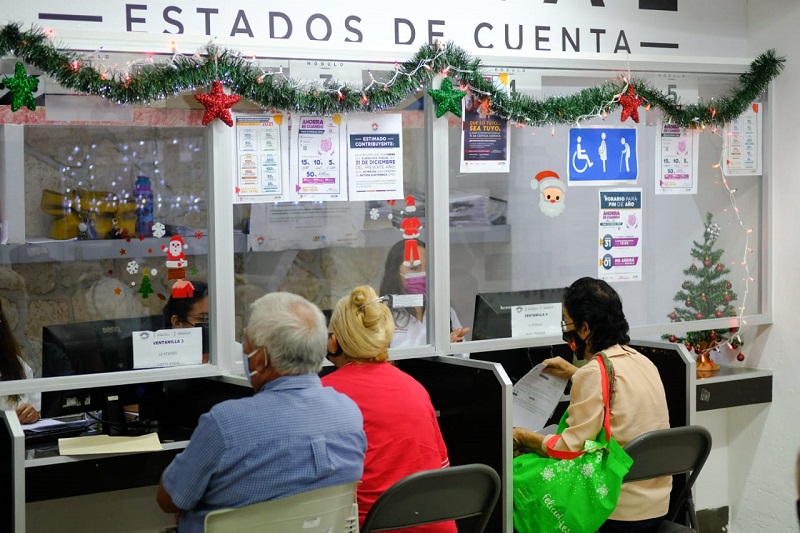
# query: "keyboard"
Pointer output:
{"type": "Point", "coordinates": [52, 435]}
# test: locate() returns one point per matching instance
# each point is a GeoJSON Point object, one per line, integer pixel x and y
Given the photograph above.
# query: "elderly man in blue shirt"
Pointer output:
{"type": "Point", "coordinates": [293, 435]}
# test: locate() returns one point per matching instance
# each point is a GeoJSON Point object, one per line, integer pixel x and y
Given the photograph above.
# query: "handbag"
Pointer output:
{"type": "Point", "coordinates": [571, 492]}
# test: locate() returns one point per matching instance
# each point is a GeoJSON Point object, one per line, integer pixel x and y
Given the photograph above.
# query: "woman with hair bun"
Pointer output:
{"type": "Point", "coordinates": [403, 435]}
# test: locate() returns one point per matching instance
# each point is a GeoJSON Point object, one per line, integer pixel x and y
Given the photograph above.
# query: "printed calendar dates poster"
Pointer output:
{"type": "Point", "coordinates": [620, 231]}
{"type": "Point", "coordinates": [318, 153]}
{"type": "Point", "coordinates": [676, 160]}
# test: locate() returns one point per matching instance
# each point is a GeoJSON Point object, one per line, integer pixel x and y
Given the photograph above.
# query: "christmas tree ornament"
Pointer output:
{"type": "Point", "coordinates": [630, 104]}
{"type": "Point", "coordinates": [447, 99]}
{"type": "Point", "coordinates": [672, 338]}
{"type": "Point", "coordinates": [714, 300]}
{"type": "Point", "coordinates": [673, 315]}
{"type": "Point", "coordinates": [217, 104]}
{"type": "Point", "coordinates": [22, 88]}
{"type": "Point", "coordinates": [728, 286]}
{"type": "Point", "coordinates": [146, 289]}
{"type": "Point", "coordinates": [740, 357]}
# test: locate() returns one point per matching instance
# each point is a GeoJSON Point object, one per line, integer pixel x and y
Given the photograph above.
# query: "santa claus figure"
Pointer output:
{"type": "Point", "coordinates": [176, 257]}
{"type": "Point", "coordinates": [410, 227]}
{"type": "Point", "coordinates": [551, 203]}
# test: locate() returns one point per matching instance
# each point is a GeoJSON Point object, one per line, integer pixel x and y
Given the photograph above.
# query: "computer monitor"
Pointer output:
{"type": "Point", "coordinates": [88, 348]}
{"type": "Point", "coordinates": [492, 319]}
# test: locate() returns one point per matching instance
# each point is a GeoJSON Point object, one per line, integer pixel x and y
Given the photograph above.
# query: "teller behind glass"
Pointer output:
{"type": "Point", "coordinates": [13, 367]}
{"type": "Point", "coordinates": [409, 277]}
{"type": "Point", "coordinates": [190, 312]}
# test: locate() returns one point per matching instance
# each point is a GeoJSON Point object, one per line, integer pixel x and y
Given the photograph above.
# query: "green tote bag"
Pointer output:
{"type": "Point", "coordinates": [578, 491]}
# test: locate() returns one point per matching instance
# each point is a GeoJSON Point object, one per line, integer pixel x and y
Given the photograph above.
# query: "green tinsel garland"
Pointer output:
{"type": "Point", "coordinates": [183, 73]}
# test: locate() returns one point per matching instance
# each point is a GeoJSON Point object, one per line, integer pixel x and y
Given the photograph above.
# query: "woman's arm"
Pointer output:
{"type": "Point", "coordinates": [585, 411]}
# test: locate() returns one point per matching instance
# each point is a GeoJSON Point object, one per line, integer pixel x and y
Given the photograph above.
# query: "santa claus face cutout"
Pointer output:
{"type": "Point", "coordinates": [175, 248]}
{"type": "Point", "coordinates": [551, 201]}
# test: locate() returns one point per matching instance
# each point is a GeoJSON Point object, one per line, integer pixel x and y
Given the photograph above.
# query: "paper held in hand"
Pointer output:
{"type": "Point", "coordinates": [536, 396]}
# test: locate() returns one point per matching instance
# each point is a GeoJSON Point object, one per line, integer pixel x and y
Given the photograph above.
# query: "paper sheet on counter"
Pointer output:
{"type": "Point", "coordinates": [99, 444]}
{"type": "Point", "coordinates": [536, 396]}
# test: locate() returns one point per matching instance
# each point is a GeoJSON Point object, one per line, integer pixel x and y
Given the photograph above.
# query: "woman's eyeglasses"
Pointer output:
{"type": "Point", "coordinates": [564, 326]}
{"type": "Point", "coordinates": [199, 318]}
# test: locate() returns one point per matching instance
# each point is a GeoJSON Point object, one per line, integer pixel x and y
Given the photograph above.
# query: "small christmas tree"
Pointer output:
{"type": "Point", "coordinates": [706, 294]}
{"type": "Point", "coordinates": [146, 289]}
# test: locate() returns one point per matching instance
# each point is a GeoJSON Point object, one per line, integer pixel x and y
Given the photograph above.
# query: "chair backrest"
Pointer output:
{"type": "Point", "coordinates": [667, 452]}
{"type": "Point", "coordinates": [317, 511]}
{"type": "Point", "coordinates": [434, 496]}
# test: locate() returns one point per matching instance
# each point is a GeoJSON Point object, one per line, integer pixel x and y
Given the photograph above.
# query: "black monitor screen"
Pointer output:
{"type": "Point", "coordinates": [492, 318]}
{"type": "Point", "coordinates": [88, 348]}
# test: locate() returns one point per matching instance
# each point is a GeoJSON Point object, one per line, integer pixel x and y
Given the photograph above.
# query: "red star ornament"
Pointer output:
{"type": "Point", "coordinates": [217, 104]}
{"type": "Point", "coordinates": [630, 105]}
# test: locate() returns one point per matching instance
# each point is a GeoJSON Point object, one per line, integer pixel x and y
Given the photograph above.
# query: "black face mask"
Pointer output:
{"type": "Point", "coordinates": [576, 344]}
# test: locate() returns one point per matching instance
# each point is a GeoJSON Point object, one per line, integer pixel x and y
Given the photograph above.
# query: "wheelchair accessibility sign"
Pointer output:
{"type": "Point", "coordinates": [602, 156]}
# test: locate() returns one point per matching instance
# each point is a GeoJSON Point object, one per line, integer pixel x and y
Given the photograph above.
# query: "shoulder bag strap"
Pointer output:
{"type": "Point", "coordinates": [606, 380]}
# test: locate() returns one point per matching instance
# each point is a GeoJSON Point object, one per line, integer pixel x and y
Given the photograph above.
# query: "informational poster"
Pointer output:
{"type": "Point", "coordinates": [262, 151]}
{"type": "Point", "coordinates": [742, 151]}
{"type": "Point", "coordinates": [375, 156]}
{"type": "Point", "coordinates": [318, 156]}
{"type": "Point", "coordinates": [676, 160]}
{"type": "Point", "coordinates": [305, 226]}
{"type": "Point", "coordinates": [485, 137]}
{"type": "Point", "coordinates": [620, 230]}
{"type": "Point", "coordinates": [167, 347]}
{"type": "Point", "coordinates": [536, 320]}
{"type": "Point", "coordinates": [599, 156]}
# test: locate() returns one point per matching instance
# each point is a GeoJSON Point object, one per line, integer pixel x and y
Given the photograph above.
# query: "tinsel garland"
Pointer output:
{"type": "Point", "coordinates": [186, 73]}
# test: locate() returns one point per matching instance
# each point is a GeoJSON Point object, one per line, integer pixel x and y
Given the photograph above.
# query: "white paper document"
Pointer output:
{"type": "Point", "coordinates": [536, 396]}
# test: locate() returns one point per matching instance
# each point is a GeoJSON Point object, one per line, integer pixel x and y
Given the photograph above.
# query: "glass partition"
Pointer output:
{"type": "Point", "coordinates": [542, 224]}
{"type": "Point", "coordinates": [114, 225]}
{"type": "Point", "coordinates": [320, 246]}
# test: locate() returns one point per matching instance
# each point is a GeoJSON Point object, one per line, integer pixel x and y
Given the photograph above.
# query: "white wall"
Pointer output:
{"type": "Point", "coordinates": [762, 444]}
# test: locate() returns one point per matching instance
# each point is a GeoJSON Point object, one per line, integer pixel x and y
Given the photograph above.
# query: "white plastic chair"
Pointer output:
{"type": "Point", "coordinates": [331, 509]}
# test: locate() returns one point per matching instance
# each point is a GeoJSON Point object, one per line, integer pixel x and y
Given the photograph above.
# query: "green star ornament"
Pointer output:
{"type": "Point", "coordinates": [447, 99]}
{"type": "Point", "coordinates": [21, 87]}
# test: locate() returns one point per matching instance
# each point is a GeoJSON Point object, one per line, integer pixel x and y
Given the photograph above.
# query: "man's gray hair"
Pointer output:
{"type": "Point", "coordinates": [291, 329]}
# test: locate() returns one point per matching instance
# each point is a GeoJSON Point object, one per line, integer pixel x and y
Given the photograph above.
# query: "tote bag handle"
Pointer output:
{"type": "Point", "coordinates": [606, 380]}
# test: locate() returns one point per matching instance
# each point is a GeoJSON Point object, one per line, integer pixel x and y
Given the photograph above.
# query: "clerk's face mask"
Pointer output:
{"type": "Point", "coordinates": [415, 283]}
{"type": "Point", "coordinates": [246, 362]}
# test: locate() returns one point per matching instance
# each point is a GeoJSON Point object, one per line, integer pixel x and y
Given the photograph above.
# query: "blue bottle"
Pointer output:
{"type": "Point", "coordinates": [144, 206]}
